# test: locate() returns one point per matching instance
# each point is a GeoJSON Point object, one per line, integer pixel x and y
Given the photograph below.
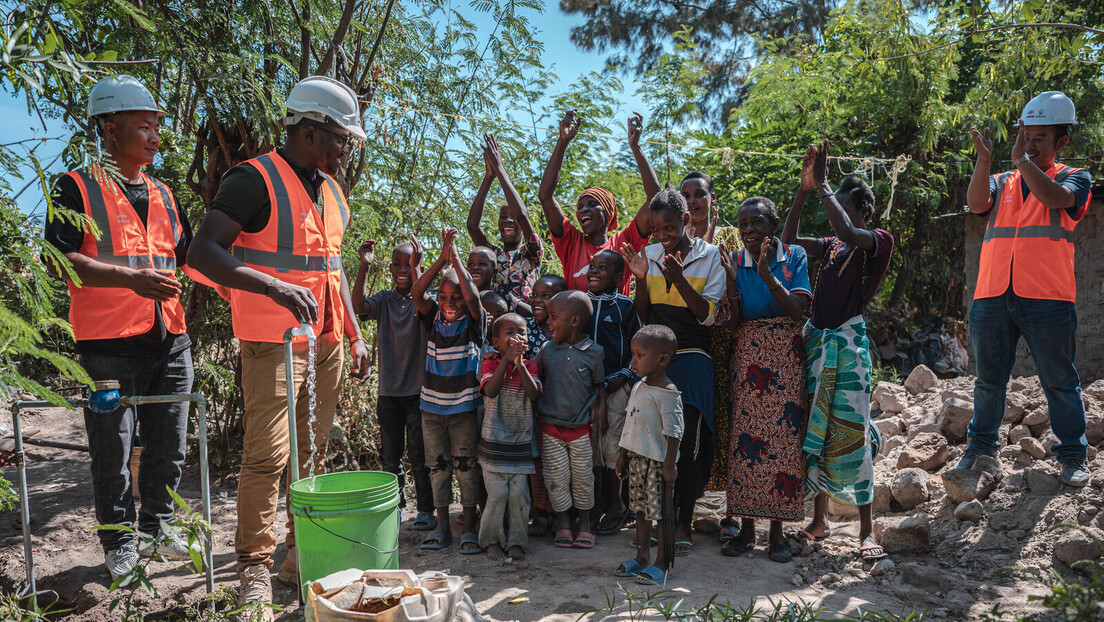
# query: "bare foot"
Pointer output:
{"type": "Point", "coordinates": [495, 553]}
{"type": "Point", "coordinates": [818, 530]}
{"type": "Point", "coordinates": [516, 553]}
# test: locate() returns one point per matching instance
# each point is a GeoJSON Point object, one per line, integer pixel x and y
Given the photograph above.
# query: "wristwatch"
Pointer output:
{"type": "Point", "coordinates": [1020, 160]}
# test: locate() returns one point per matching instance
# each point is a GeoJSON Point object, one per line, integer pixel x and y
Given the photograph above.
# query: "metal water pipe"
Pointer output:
{"type": "Point", "coordinates": [104, 400]}
{"type": "Point", "coordinates": [303, 330]}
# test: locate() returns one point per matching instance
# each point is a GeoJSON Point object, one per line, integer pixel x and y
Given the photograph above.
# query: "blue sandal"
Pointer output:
{"type": "Point", "coordinates": [652, 575]}
{"type": "Point", "coordinates": [437, 540]}
{"type": "Point", "coordinates": [629, 568]}
{"type": "Point", "coordinates": [470, 538]}
{"type": "Point", "coordinates": [424, 521]}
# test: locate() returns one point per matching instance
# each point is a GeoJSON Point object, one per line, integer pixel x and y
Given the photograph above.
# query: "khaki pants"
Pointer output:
{"type": "Point", "coordinates": [265, 452]}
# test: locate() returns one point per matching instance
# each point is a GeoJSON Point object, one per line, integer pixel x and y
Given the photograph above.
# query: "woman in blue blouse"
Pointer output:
{"type": "Point", "coordinates": [767, 292]}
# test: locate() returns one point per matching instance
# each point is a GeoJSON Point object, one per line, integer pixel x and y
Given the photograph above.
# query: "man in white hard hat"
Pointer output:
{"type": "Point", "coordinates": [1026, 285]}
{"type": "Point", "coordinates": [127, 318]}
{"type": "Point", "coordinates": [283, 216]}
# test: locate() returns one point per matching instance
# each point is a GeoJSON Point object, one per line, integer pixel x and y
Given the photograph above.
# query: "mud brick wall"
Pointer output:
{"type": "Point", "coordinates": [1089, 262]}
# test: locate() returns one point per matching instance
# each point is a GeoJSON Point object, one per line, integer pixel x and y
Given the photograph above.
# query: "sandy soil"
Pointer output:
{"type": "Point", "coordinates": [560, 584]}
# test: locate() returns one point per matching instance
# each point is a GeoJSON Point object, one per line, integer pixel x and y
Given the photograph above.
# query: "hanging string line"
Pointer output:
{"type": "Point", "coordinates": [865, 165]}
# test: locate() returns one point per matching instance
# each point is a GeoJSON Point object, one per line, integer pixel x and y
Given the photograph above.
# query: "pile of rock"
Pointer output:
{"type": "Point", "coordinates": [1007, 503]}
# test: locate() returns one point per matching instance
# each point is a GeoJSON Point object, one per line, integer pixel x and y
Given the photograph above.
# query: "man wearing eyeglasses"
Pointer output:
{"type": "Point", "coordinates": [283, 217]}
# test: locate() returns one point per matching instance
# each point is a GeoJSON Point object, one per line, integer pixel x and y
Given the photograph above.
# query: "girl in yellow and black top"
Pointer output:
{"type": "Point", "coordinates": [678, 283]}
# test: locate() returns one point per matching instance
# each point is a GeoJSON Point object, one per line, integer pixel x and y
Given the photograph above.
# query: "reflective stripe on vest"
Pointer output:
{"type": "Point", "coordinates": [1053, 231]}
{"type": "Point", "coordinates": [123, 240]}
{"type": "Point", "coordinates": [299, 244]}
{"type": "Point", "coordinates": [105, 246]}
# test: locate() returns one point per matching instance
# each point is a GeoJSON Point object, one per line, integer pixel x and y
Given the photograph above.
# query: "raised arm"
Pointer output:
{"type": "Point", "coordinates": [467, 285]}
{"type": "Point", "coordinates": [475, 214]}
{"type": "Point", "coordinates": [808, 184]}
{"type": "Point", "coordinates": [422, 302]}
{"type": "Point", "coordinates": [1049, 192]}
{"type": "Point", "coordinates": [553, 213]}
{"type": "Point", "coordinates": [841, 223]}
{"type": "Point", "coordinates": [497, 166]}
{"type": "Point", "coordinates": [367, 255]}
{"type": "Point", "coordinates": [637, 264]}
{"type": "Point", "coordinates": [647, 174]}
{"type": "Point", "coordinates": [978, 198]}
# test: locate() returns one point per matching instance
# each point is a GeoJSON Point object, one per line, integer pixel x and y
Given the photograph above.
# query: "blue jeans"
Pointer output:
{"type": "Point", "coordinates": [1049, 327]}
{"type": "Point", "coordinates": [162, 428]}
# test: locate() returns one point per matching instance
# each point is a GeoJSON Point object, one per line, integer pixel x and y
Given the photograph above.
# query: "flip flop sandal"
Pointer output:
{"type": "Point", "coordinates": [683, 548]}
{"type": "Point", "coordinates": [424, 521]}
{"type": "Point", "coordinates": [538, 528]}
{"type": "Point", "coordinates": [470, 540]}
{"type": "Point", "coordinates": [730, 529]}
{"type": "Point", "coordinates": [778, 552]}
{"type": "Point", "coordinates": [437, 540]}
{"type": "Point", "coordinates": [736, 547]}
{"type": "Point", "coordinates": [564, 539]}
{"type": "Point", "coordinates": [610, 524]}
{"type": "Point", "coordinates": [652, 575]}
{"type": "Point", "coordinates": [872, 553]}
{"type": "Point", "coordinates": [629, 568]}
{"type": "Point", "coordinates": [803, 536]}
{"type": "Point", "coordinates": [585, 540]}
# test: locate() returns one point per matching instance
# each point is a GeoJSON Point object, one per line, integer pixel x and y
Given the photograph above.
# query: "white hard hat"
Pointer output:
{"type": "Point", "coordinates": [320, 99]}
{"type": "Point", "coordinates": [1049, 108]}
{"type": "Point", "coordinates": [120, 94]}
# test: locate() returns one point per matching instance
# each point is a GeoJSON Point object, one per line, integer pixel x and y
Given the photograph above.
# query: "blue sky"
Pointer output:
{"type": "Point", "coordinates": [568, 60]}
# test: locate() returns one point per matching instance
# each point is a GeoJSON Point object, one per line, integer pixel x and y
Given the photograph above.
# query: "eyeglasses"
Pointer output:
{"type": "Point", "coordinates": [346, 140]}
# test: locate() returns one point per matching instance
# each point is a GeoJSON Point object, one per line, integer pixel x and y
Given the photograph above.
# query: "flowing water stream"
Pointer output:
{"type": "Point", "coordinates": [312, 398]}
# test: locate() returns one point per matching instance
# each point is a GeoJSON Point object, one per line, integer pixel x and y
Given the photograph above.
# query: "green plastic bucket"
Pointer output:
{"type": "Point", "coordinates": [345, 520]}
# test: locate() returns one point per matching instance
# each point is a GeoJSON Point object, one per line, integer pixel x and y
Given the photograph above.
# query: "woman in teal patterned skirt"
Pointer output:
{"type": "Point", "coordinates": [840, 444]}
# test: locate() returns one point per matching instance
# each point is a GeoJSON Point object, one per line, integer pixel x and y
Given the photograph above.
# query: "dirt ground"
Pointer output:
{"type": "Point", "coordinates": [560, 584]}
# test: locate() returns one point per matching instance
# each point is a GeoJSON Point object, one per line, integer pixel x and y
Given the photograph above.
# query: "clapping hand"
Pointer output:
{"type": "Point", "coordinates": [1021, 142]}
{"type": "Point", "coordinates": [763, 265]}
{"type": "Point", "coordinates": [417, 253]}
{"type": "Point", "coordinates": [726, 263]}
{"type": "Point", "coordinates": [636, 262]}
{"type": "Point", "coordinates": [671, 267]}
{"type": "Point", "coordinates": [983, 144]}
{"type": "Point", "coordinates": [367, 252]}
{"type": "Point", "coordinates": [514, 351]}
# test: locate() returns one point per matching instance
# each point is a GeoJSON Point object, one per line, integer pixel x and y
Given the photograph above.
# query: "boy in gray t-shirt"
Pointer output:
{"type": "Point", "coordinates": [401, 348]}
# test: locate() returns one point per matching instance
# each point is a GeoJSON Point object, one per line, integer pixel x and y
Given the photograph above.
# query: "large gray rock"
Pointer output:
{"type": "Point", "coordinates": [1033, 447]}
{"type": "Point", "coordinates": [1094, 426]}
{"type": "Point", "coordinates": [970, 510]}
{"type": "Point", "coordinates": [893, 401]}
{"type": "Point", "coordinates": [926, 451]}
{"type": "Point", "coordinates": [1095, 390]}
{"type": "Point", "coordinates": [1040, 482]}
{"type": "Point", "coordinates": [920, 379]}
{"type": "Point", "coordinates": [965, 395]}
{"type": "Point", "coordinates": [954, 419]}
{"type": "Point", "coordinates": [910, 534]}
{"type": "Point", "coordinates": [968, 484]}
{"type": "Point", "coordinates": [1004, 520]}
{"type": "Point", "coordinates": [913, 415]}
{"type": "Point", "coordinates": [1015, 405]}
{"type": "Point", "coordinates": [888, 427]}
{"type": "Point", "coordinates": [1039, 416]}
{"type": "Point", "coordinates": [990, 465]}
{"type": "Point", "coordinates": [1017, 434]}
{"type": "Point", "coordinates": [1073, 546]}
{"type": "Point", "coordinates": [910, 487]}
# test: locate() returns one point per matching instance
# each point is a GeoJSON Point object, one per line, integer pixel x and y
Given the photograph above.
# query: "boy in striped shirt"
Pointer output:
{"type": "Point", "coordinates": [455, 328]}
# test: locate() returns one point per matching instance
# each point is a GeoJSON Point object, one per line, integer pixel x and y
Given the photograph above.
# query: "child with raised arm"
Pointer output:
{"type": "Point", "coordinates": [509, 387]}
{"type": "Point", "coordinates": [519, 256]}
{"type": "Point", "coordinates": [401, 350]}
{"type": "Point", "coordinates": [612, 326]}
{"type": "Point", "coordinates": [456, 324]}
{"type": "Point", "coordinates": [595, 210]}
{"type": "Point", "coordinates": [570, 368]}
{"type": "Point", "coordinates": [649, 449]}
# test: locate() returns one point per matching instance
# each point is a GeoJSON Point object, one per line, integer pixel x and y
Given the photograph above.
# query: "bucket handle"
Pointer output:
{"type": "Point", "coordinates": [337, 535]}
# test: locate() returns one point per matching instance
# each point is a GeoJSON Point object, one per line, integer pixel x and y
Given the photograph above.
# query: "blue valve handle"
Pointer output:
{"type": "Point", "coordinates": [104, 401]}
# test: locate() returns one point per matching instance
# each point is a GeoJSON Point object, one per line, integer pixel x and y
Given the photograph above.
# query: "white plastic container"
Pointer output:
{"type": "Point", "coordinates": [439, 598]}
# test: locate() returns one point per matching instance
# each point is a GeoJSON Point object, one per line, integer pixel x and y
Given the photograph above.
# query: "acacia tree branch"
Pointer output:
{"type": "Point", "coordinates": [338, 37]}
{"type": "Point", "coordinates": [993, 29]}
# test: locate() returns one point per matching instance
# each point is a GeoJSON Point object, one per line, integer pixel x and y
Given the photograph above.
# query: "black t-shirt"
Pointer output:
{"type": "Point", "coordinates": [243, 194]}
{"type": "Point", "coordinates": [68, 238]}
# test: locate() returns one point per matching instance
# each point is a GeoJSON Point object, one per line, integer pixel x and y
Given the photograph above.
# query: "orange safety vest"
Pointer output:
{"type": "Point", "coordinates": [1028, 244]}
{"type": "Point", "coordinates": [115, 312]}
{"type": "Point", "coordinates": [296, 246]}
